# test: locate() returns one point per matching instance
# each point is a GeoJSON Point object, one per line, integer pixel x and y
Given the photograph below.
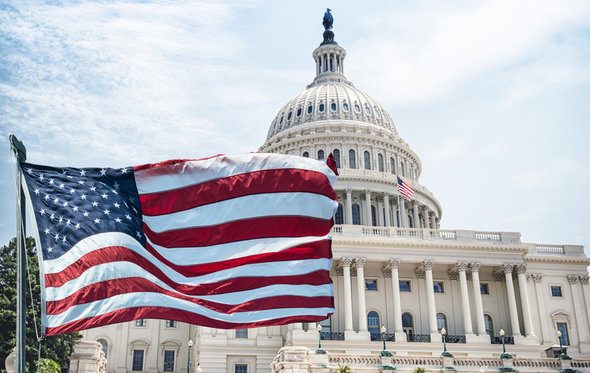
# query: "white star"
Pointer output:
{"type": "Point", "coordinates": [103, 172]}
{"type": "Point", "coordinates": [106, 211]}
{"type": "Point", "coordinates": [97, 220]}
{"type": "Point", "coordinates": [85, 213]}
{"type": "Point", "coordinates": [46, 231]}
{"type": "Point", "coordinates": [41, 178]}
{"type": "Point", "coordinates": [37, 191]}
{"type": "Point", "coordinates": [47, 196]}
{"type": "Point", "coordinates": [55, 200]}
{"type": "Point", "coordinates": [42, 212]}
{"type": "Point", "coordinates": [50, 249]}
{"type": "Point", "coordinates": [51, 181]}
{"type": "Point", "coordinates": [80, 182]}
{"type": "Point", "coordinates": [61, 186]}
{"type": "Point", "coordinates": [57, 236]}
{"type": "Point", "coordinates": [65, 204]}
{"type": "Point", "coordinates": [138, 234]}
{"type": "Point", "coordinates": [128, 217]}
{"type": "Point", "coordinates": [72, 190]}
{"type": "Point", "coordinates": [93, 188]}
{"type": "Point", "coordinates": [82, 172]}
{"type": "Point", "coordinates": [68, 222]}
{"type": "Point", "coordinates": [51, 217]}
{"type": "Point", "coordinates": [77, 226]}
{"type": "Point", "coordinates": [60, 220]}
{"type": "Point", "coordinates": [83, 196]}
{"type": "Point", "coordinates": [94, 204]}
{"type": "Point", "coordinates": [124, 170]}
{"type": "Point", "coordinates": [75, 208]}
{"type": "Point", "coordinates": [114, 191]}
{"type": "Point", "coordinates": [104, 195]}
{"type": "Point", "coordinates": [63, 239]}
{"type": "Point", "coordinates": [29, 170]}
{"type": "Point", "coordinates": [116, 204]}
{"type": "Point", "coordinates": [118, 220]}
{"type": "Point", "coordinates": [116, 184]}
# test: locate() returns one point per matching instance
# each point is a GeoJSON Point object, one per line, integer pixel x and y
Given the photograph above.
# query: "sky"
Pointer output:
{"type": "Point", "coordinates": [494, 96]}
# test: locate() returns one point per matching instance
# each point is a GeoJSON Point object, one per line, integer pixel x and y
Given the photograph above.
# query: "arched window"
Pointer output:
{"type": "Point", "coordinates": [336, 154]}
{"type": "Point", "coordinates": [403, 169]}
{"type": "Point", "coordinates": [408, 324]}
{"type": "Point", "coordinates": [305, 154]}
{"type": "Point", "coordinates": [298, 112]}
{"type": "Point", "coordinates": [104, 346]}
{"type": "Point", "coordinates": [320, 154]}
{"type": "Point", "coordinates": [356, 214]}
{"type": "Point", "coordinates": [373, 322]}
{"type": "Point", "coordinates": [392, 165]}
{"type": "Point", "coordinates": [489, 324]}
{"type": "Point", "coordinates": [310, 109]}
{"type": "Point", "coordinates": [289, 115]}
{"type": "Point", "coordinates": [333, 106]}
{"type": "Point", "coordinates": [339, 217]}
{"type": "Point", "coordinates": [410, 221]}
{"type": "Point", "coordinates": [321, 108]}
{"type": "Point", "coordinates": [380, 163]}
{"type": "Point", "coordinates": [351, 158]}
{"type": "Point", "coordinates": [441, 321]}
{"type": "Point", "coordinates": [367, 159]}
{"type": "Point", "coordinates": [345, 107]}
{"type": "Point", "coordinates": [373, 216]}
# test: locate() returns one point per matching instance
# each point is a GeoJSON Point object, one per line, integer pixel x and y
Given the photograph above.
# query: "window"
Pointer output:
{"type": "Point", "coordinates": [439, 287]}
{"type": "Point", "coordinates": [392, 165]}
{"type": "Point", "coordinates": [367, 159]}
{"type": "Point", "coordinates": [137, 364]}
{"type": "Point", "coordinates": [336, 154]}
{"type": "Point", "coordinates": [351, 158]}
{"type": "Point", "coordinates": [489, 324]}
{"type": "Point", "coordinates": [403, 169]}
{"type": "Point", "coordinates": [380, 164]}
{"type": "Point", "coordinates": [333, 106]}
{"type": "Point", "coordinates": [371, 284]}
{"type": "Point", "coordinates": [320, 154]}
{"type": "Point", "coordinates": [289, 115]}
{"type": "Point", "coordinates": [310, 109]}
{"type": "Point", "coordinates": [357, 108]}
{"type": "Point", "coordinates": [241, 368]}
{"type": "Point", "coordinates": [565, 337]}
{"type": "Point", "coordinates": [373, 322]}
{"type": "Point", "coordinates": [339, 217]}
{"type": "Point", "coordinates": [377, 113]}
{"type": "Point", "coordinates": [405, 286]}
{"type": "Point", "coordinates": [556, 291]}
{"type": "Point", "coordinates": [408, 324]}
{"type": "Point", "coordinates": [373, 216]}
{"type": "Point", "coordinates": [305, 154]}
{"type": "Point", "coordinates": [441, 321]}
{"type": "Point", "coordinates": [368, 110]}
{"type": "Point", "coordinates": [484, 288]}
{"type": "Point", "coordinates": [141, 323]}
{"type": "Point", "coordinates": [356, 214]}
{"type": "Point", "coordinates": [241, 333]}
{"type": "Point", "coordinates": [326, 324]}
{"type": "Point", "coordinates": [321, 108]}
{"type": "Point", "coordinates": [298, 112]}
{"type": "Point", "coordinates": [168, 361]}
{"type": "Point", "coordinates": [281, 121]}
{"type": "Point", "coordinates": [170, 324]}
{"type": "Point", "coordinates": [104, 346]}
{"type": "Point", "coordinates": [345, 107]}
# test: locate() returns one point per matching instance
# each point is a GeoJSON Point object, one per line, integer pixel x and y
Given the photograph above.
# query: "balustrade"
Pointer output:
{"type": "Point", "coordinates": [332, 336]}
{"type": "Point", "coordinates": [379, 337]}
{"type": "Point", "coordinates": [418, 337]}
{"type": "Point", "coordinates": [455, 339]}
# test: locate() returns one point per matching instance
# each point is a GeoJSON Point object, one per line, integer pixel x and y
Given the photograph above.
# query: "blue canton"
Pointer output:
{"type": "Point", "coordinates": [71, 204]}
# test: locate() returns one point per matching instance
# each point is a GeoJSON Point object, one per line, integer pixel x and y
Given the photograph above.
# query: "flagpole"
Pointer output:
{"type": "Point", "coordinates": [20, 153]}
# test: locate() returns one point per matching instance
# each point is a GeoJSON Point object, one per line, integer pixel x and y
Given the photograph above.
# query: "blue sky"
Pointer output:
{"type": "Point", "coordinates": [492, 95]}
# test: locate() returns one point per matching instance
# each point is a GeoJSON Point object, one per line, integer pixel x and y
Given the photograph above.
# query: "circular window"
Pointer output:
{"type": "Point", "coordinates": [322, 108]}
{"type": "Point", "coordinates": [309, 109]}
{"type": "Point", "coordinates": [333, 106]}
{"type": "Point", "coordinates": [345, 106]}
{"type": "Point", "coordinates": [289, 115]}
{"type": "Point", "coordinates": [299, 112]}
{"type": "Point", "coordinates": [357, 108]}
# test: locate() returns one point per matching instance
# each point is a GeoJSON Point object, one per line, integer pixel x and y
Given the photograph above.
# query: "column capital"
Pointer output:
{"type": "Point", "coordinates": [348, 190]}
{"type": "Point", "coordinates": [462, 266]}
{"type": "Point", "coordinates": [520, 268]}
{"type": "Point", "coordinates": [339, 271]}
{"type": "Point", "coordinates": [537, 277]}
{"type": "Point", "coordinates": [346, 261]}
{"type": "Point", "coordinates": [367, 192]}
{"type": "Point", "coordinates": [427, 265]}
{"type": "Point", "coordinates": [507, 268]}
{"type": "Point", "coordinates": [393, 263]}
{"type": "Point", "coordinates": [453, 275]}
{"type": "Point", "coordinates": [359, 262]}
{"type": "Point", "coordinates": [420, 273]}
{"type": "Point", "coordinates": [584, 279]}
{"type": "Point", "coordinates": [572, 279]}
{"type": "Point", "coordinates": [386, 271]}
{"type": "Point", "coordinates": [474, 267]}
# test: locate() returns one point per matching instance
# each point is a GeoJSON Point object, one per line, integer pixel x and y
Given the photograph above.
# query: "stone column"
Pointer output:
{"type": "Point", "coordinates": [481, 324]}
{"type": "Point", "coordinates": [427, 213]}
{"type": "Point", "coordinates": [396, 221]}
{"type": "Point", "coordinates": [345, 263]}
{"type": "Point", "coordinates": [393, 266]}
{"type": "Point", "coordinates": [360, 276]}
{"type": "Point", "coordinates": [402, 213]}
{"type": "Point", "coordinates": [507, 269]}
{"type": "Point", "coordinates": [581, 319]}
{"type": "Point", "coordinates": [369, 220]}
{"type": "Point", "coordinates": [524, 301]}
{"type": "Point", "coordinates": [548, 334]}
{"type": "Point", "coordinates": [467, 326]}
{"type": "Point", "coordinates": [432, 220]}
{"type": "Point", "coordinates": [348, 214]}
{"type": "Point", "coordinates": [387, 210]}
{"type": "Point", "coordinates": [415, 214]}
{"type": "Point", "coordinates": [586, 294]}
{"type": "Point", "coordinates": [434, 334]}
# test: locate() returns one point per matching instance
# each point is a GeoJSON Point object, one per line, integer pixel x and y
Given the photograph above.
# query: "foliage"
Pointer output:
{"type": "Point", "coordinates": [420, 370]}
{"type": "Point", "coordinates": [343, 369]}
{"type": "Point", "coordinates": [57, 348]}
{"type": "Point", "coordinates": [48, 366]}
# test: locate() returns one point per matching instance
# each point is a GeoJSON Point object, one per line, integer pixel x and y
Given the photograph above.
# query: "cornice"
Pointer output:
{"type": "Point", "coordinates": [557, 259]}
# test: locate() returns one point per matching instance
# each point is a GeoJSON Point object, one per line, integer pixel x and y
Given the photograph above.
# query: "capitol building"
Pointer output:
{"type": "Point", "coordinates": [408, 293]}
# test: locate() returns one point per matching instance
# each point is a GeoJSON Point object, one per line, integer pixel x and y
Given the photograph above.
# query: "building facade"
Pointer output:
{"type": "Point", "coordinates": [393, 267]}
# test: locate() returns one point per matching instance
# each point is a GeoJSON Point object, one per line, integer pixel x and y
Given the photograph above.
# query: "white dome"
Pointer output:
{"type": "Point", "coordinates": [333, 98]}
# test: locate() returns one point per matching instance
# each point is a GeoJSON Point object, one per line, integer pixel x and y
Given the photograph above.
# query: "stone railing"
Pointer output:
{"type": "Point", "coordinates": [567, 250]}
{"type": "Point", "coordinates": [425, 234]}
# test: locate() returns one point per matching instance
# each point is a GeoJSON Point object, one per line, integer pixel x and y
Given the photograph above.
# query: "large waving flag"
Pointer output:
{"type": "Point", "coordinates": [227, 242]}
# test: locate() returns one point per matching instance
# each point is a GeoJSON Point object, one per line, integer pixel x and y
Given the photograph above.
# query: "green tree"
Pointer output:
{"type": "Point", "coordinates": [57, 348]}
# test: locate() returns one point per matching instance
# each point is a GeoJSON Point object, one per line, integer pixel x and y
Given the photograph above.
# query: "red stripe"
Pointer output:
{"type": "Point", "coordinates": [241, 230]}
{"type": "Point", "coordinates": [313, 250]}
{"type": "Point", "coordinates": [106, 289]}
{"type": "Point", "coordinates": [130, 314]}
{"type": "Point", "coordinates": [256, 182]}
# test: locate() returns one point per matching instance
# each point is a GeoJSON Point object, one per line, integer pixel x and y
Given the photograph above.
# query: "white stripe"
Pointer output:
{"type": "Point", "coordinates": [124, 301]}
{"type": "Point", "coordinates": [116, 270]}
{"type": "Point", "coordinates": [195, 172]}
{"type": "Point", "coordinates": [183, 256]}
{"type": "Point", "coordinates": [247, 207]}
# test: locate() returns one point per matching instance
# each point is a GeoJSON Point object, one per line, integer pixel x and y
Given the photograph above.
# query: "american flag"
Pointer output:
{"type": "Point", "coordinates": [404, 189]}
{"type": "Point", "coordinates": [226, 242]}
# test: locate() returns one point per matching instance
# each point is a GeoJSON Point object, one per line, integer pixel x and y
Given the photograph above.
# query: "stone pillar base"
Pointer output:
{"type": "Point", "coordinates": [435, 338]}
{"type": "Point", "coordinates": [522, 340]}
{"type": "Point", "coordinates": [357, 336]}
{"type": "Point", "coordinates": [87, 357]}
{"type": "Point", "coordinates": [482, 338]}
{"type": "Point", "coordinates": [303, 336]}
{"type": "Point", "coordinates": [401, 337]}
